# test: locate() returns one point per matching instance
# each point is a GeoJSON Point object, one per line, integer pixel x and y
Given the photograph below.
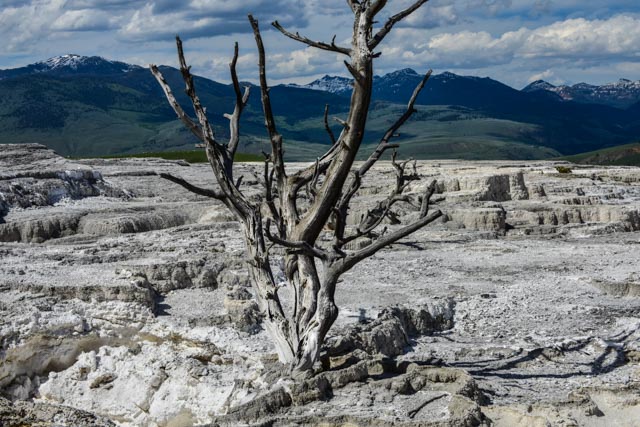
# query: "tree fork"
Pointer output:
{"type": "Point", "coordinates": [311, 268]}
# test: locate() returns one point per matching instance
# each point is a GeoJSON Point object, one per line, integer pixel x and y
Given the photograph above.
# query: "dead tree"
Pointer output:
{"type": "Point", "coordinates": [295, 208]}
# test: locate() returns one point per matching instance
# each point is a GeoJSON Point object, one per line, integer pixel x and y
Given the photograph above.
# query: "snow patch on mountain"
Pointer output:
{"type": "Point", "coordinates": [622, 93]}
{"type": "Point", "coordinates": [539, 85]}
{"type": "Point", "coordinates": [405, 72]}
{"type": "Point", "coordinates": [73, 62]}
{"type": "Point", "coordinates": [334, 84]}
{"type": "Point", "coordinates": [343, 85]}
{"type": "Point", "coordinates": [70, 60]}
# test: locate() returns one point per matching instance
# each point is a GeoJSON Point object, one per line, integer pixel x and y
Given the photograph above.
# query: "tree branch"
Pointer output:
{"type": "Point", "coordinates": [354, 5]}
{"type": "Point", "coordinates": [304, 176]}
{"type": "Point", "coordinates": [190, 124]}
{"type": "Point", "coordinates": [374, 217]}
{"type": "Point", "coordinates": [350, 260]}
{"type": "Point", "coordinates": [195, 100]}
{"type": "Point", "coordinates": [424, 206]}
{"type": "Point", "coordinates": [320, 45]}
{"type": "Point", "coordinates": [381, 148]}
{"type": "Point", "coordinates": [326, 125]}
{"type": "Point", "coordinates": [303, 247]}
{"type": "Point", "coordinates": [384, 142]}
{"type": "Point", "coordinates": [194, 189]}
{"type": "Point", "coordinates": [216, 154]}
{"type": "Point", "coordinates": [354, 72]}
{"type": "Point", "coordinates": [340, 212]}
{"type": "Point", "coordinates": [268, 198]}
{"type": "Point", "coordinates": [234, 119]}
{"type": "Point", "coordinates": [383, 241]}
{"type": "Point", "coordinates": [270, 123]}
{"type": "Point", "coordinates": [382, 33]}
{"type": "Point", "coordinates": [376, 7]}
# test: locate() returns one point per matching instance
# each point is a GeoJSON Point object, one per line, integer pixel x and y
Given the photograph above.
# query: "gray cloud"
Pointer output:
{"type": "Point", "coordinates": [107, 5]}
{"type": "Point", "coordinates": [84, 20]}
{"type": "Point", "coordinates": [526, 37]}
{"type": "Point", "coordinates": [617, 38]}
{"type": "Point", "coordinates": [161, 19]}
{"type": "Point", "coordinates": [438, 14]}
{"type": "Point", "coordinates": [540, 7]}
{"type": "Point", "coordinates": [14, 3]}
{"type": "Point", "coordinates": [491, 7]}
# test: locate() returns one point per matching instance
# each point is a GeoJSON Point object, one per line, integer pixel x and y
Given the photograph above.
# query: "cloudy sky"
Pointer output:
{"type": "Point", "coordinates": [515, 41]}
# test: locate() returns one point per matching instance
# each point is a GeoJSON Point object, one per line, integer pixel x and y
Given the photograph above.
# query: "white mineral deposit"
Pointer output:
{"type": "Point", "coordinates": [125, 300]}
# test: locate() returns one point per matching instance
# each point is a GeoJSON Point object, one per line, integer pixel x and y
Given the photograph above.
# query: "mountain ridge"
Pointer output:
{"type": "Point", "coordinates": [92, 106]}
{"type": "Point", "coordinates": [622, 94]}
{"type": "Point", "coordinates": [71, 64]}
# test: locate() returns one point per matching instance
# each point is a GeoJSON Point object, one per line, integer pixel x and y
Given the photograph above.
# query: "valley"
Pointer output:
{"type": "Point", "coordinates": [90, 106]}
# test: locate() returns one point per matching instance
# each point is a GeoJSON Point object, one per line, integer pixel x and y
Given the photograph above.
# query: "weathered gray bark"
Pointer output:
{"type": "Point", "coordinates": [311, 271]}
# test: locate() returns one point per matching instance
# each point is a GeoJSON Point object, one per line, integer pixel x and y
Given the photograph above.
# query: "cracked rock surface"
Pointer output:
{"type": "Point", "coordinates": [124, 301]}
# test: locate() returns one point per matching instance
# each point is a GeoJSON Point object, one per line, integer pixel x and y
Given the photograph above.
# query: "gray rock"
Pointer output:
{"type": "Point", "coordinates": [537, 191]}
{"type": "Point", "coordinates": [391, 332]}
{"type": "Point", "coordinates": [242, 310]}
{"type": "Point", "coordinates": [38, 230]}
{"type": "Point", "coordinates": [517, 188]}
{"type": "Point", "coordinates": [130, 292]}
{"type": "Point", "coordinates": [24, 413]}
{"type": "Point", "coordinates": [201, 272]}
{"type": "Point", "coordinates": [32, 175]}
{"type": "Point", "coordinates": [133, 222]}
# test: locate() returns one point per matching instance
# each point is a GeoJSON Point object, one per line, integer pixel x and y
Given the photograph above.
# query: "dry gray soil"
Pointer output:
{"type": "Point", "coordinates": [124, 301]}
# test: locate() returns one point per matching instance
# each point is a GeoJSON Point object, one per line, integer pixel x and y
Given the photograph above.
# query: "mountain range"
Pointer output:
{"type": "Point", "coordinates": [88, 106]}
{"type": "Point", "coordinates": [393, 86]}
{"type": "Point", "coordinates": [623, 94]}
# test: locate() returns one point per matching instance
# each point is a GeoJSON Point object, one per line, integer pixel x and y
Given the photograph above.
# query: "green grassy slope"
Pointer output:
{"type": "Point", "coordinates": [128, 120]}
{"type": "Point", "coordinates": [127, 114]}
{"type": "Point", "coordinates": [84, 116]}
{"type": "Point", "coordinates": [438, 132]}
{"type": "Point", "coordinates": [622, 155]}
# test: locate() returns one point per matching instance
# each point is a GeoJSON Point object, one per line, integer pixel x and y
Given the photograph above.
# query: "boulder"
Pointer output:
{"type": "Point", "coordinates": [242, 310]}
{"type": "Point", "coordinates": [26, 413]}
{"type": "Point", "coordinates": [390, 333]}
{"type": "Point", "coordinates": [164, 277]}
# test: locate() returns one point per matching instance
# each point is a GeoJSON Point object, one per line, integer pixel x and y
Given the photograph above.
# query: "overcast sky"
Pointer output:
{"type": "Point", "coordinates": [514, 41]}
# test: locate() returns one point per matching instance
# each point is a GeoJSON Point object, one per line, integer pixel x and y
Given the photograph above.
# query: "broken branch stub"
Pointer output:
{"type": "Point", "coordinates": [301, 207]}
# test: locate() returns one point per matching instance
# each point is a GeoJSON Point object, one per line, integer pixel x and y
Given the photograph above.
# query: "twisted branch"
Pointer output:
{"type": "Point", "coordinates": [270, 123]}
{"type": "Point", "coordinates": [382, 33]}
{"type": "Point", "coordinates": [234, 119]}
{"type": "Point", "coordinates": [332, 47]}
{"type": "Point", "coordinates": [332, 137]}
{"type": "Point", "coordinates": [186, 120]}
{"type": "Point", "coordinates": [194, 189]}
{"type": "Point", "coordinates": [302, 247]}
{"type": "Point", "coordinates": [384, 145]}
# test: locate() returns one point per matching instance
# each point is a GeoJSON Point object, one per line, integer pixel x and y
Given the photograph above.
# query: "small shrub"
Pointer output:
{"type": "Point", "coordinates": [563, 169]}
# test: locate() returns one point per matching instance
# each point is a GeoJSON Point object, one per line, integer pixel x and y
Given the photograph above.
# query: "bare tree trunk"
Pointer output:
{"type": "Point", "coordinates": [311, 270]}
